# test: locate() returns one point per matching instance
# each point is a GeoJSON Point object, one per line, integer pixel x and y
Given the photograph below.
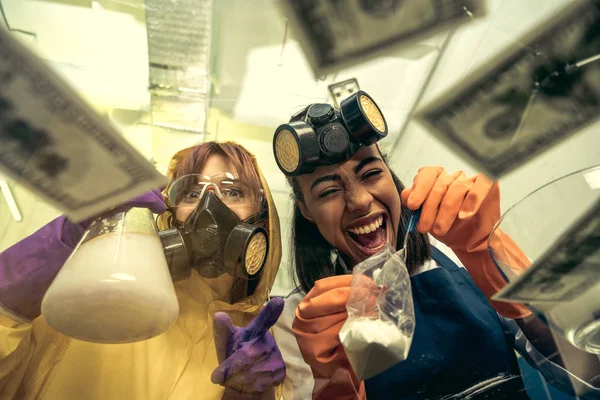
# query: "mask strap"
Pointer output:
{"type": "Point", "coordinates": [300, 115]}
{"type": "Point", "coordinates": [256, 218]}
{"type": "Point", "coordinates": [261, 215]}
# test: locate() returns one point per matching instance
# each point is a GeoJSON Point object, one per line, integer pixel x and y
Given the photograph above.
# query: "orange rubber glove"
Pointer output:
{"type": "Point", "coordinates": [319, 318]}
{"type": "Point", "coordinates": [460, 212]}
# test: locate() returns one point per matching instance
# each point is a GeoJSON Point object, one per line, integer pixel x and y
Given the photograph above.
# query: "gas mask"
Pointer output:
{"type": "Point", "coordinates": [326, 136]}
{"type": "Point", "coordinates": [213, 240]}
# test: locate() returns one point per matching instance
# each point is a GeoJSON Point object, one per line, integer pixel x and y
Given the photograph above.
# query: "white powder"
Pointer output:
{"type": "Point", "coordinates": [376, 274]}
{"type": "Point", "coordinates": [373, 345]}
{"type": "Point", "coordinates": [120, 283]}
{"type": "Point", "coordinates": [362, 331]}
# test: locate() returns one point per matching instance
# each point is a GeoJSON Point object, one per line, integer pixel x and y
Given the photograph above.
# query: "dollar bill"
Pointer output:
{"type": "Point", "coordinates": [57, 146]}
{"type": "Point", "coordinates": [533, 95]}
{"type": "Point", "coordinates": [566, 270]}
{"type": "Point", "coordinates": [335, 34]}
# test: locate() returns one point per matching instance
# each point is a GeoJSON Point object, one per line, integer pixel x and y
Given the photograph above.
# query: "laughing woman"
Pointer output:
{"type": "Point", "coordinates": [348, 206]}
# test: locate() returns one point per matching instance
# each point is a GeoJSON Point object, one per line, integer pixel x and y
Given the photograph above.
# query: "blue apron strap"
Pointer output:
{"type": "Point", "coordinates": [443, 260]}
{"type": "Point", "coordinates": [461, 276]}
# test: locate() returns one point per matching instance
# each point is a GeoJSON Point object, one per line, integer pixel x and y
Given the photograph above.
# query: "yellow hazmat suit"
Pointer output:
{"type": "Point", "coordinates": [37, 362]}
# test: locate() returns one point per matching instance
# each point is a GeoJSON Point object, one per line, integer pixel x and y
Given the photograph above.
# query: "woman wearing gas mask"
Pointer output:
{"type": "Point", "coordinates": [218, 202]}
{"type": "Point", "coordinates": [348, 206]}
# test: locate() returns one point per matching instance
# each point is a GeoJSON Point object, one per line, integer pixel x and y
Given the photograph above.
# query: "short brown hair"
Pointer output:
{"type": "Point", "coordinates": [193, 159]}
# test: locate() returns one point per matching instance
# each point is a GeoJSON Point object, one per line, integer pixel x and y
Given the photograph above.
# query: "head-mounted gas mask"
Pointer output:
{"type": "Point", "coordinates": [326, 136]}
{"type": "Point", "coordinates": [213, 240]}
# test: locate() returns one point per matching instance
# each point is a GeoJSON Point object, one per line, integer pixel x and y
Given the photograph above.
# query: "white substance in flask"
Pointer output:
{"type": "Point", "coordinates": [373, 345]}
{"type": "Point", "coordinates": [116, 288]}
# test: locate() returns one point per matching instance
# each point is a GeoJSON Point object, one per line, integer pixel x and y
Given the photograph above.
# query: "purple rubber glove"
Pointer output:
{"type": "Point", "coordinates": [28, 267]}
{"type": "Point", "coordinates": [250, 361]}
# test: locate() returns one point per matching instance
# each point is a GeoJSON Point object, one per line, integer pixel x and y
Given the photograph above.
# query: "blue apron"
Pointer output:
{"type": "Point", "coordinates": [458, 342]}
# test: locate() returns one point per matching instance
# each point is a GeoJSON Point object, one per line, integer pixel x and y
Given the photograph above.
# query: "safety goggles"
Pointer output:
{"type": "Point", "coordinates": [187, 190]}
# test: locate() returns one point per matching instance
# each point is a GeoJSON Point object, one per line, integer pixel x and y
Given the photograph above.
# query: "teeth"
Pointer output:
{"type": "Point", "coordinates": [372, 227]}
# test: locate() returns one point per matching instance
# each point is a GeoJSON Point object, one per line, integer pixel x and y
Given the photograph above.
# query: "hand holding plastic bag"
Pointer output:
{"type": "Point", "coordinates": [319, 319]}
{"type": "Point", "coordinates": [378, 332]}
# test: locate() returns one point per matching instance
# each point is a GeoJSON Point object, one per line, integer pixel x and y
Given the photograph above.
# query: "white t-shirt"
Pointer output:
{"type": "Point", "coordinates": [299, 382]}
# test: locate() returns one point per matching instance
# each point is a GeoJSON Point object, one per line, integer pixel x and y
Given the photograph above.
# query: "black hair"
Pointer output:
{"type": "Point", "coordinates": [311, 254]}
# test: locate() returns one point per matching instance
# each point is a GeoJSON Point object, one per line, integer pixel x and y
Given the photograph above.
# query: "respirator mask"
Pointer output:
{"type": "Point", "coordinates": [321, 135]}
{"type": "Point", "coordinates": [212, 239]}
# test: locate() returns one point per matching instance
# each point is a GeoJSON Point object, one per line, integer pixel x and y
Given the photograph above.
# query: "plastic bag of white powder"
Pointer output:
{"type": "Point", "coordinates": [378, 332]}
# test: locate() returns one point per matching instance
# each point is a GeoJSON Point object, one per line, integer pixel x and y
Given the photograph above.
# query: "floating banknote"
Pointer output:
{"type": "Point", "coordinates": [532, 96]}
{"type": "Point", "coordinates": [55, 145]}
{"type": "Point", "coordinates": [566, 270]}
{"type": "Point", "coordinates": [335, 34]}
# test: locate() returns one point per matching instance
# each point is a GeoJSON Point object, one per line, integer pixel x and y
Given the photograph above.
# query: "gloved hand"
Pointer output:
{"type": "Point", "coordinates": [250, 361]}
{"type": "Point", "coordinates": [72, 232]}
{"type": "Point", "coordinates": [460, 212]}
{"type": "Point", "coordinates": [319, 319]}
{"type": "Point", "coordinates": [28, 268]}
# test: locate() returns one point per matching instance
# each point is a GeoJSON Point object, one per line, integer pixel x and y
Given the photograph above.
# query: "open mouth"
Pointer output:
{"type": "Point", "coordinates": [370, 237]}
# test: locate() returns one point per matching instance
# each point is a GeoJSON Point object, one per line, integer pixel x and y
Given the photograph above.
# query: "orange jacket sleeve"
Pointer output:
{"type": "Point", "coordinates": [461, 212]}
{"type": "Point", "coordinates": [319, 318]}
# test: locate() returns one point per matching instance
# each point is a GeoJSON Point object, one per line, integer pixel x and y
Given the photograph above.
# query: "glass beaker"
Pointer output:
{"type": "Point", "coordinates": [567, 295]}
{"type": "Point", "coordinates": [116, 286]}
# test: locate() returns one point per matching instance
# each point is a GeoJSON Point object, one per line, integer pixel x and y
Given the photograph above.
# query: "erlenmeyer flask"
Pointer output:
{"type": "Point", "coordinates": [116, 286]}
{"type": "Point", "coordinates": [567, 292]}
